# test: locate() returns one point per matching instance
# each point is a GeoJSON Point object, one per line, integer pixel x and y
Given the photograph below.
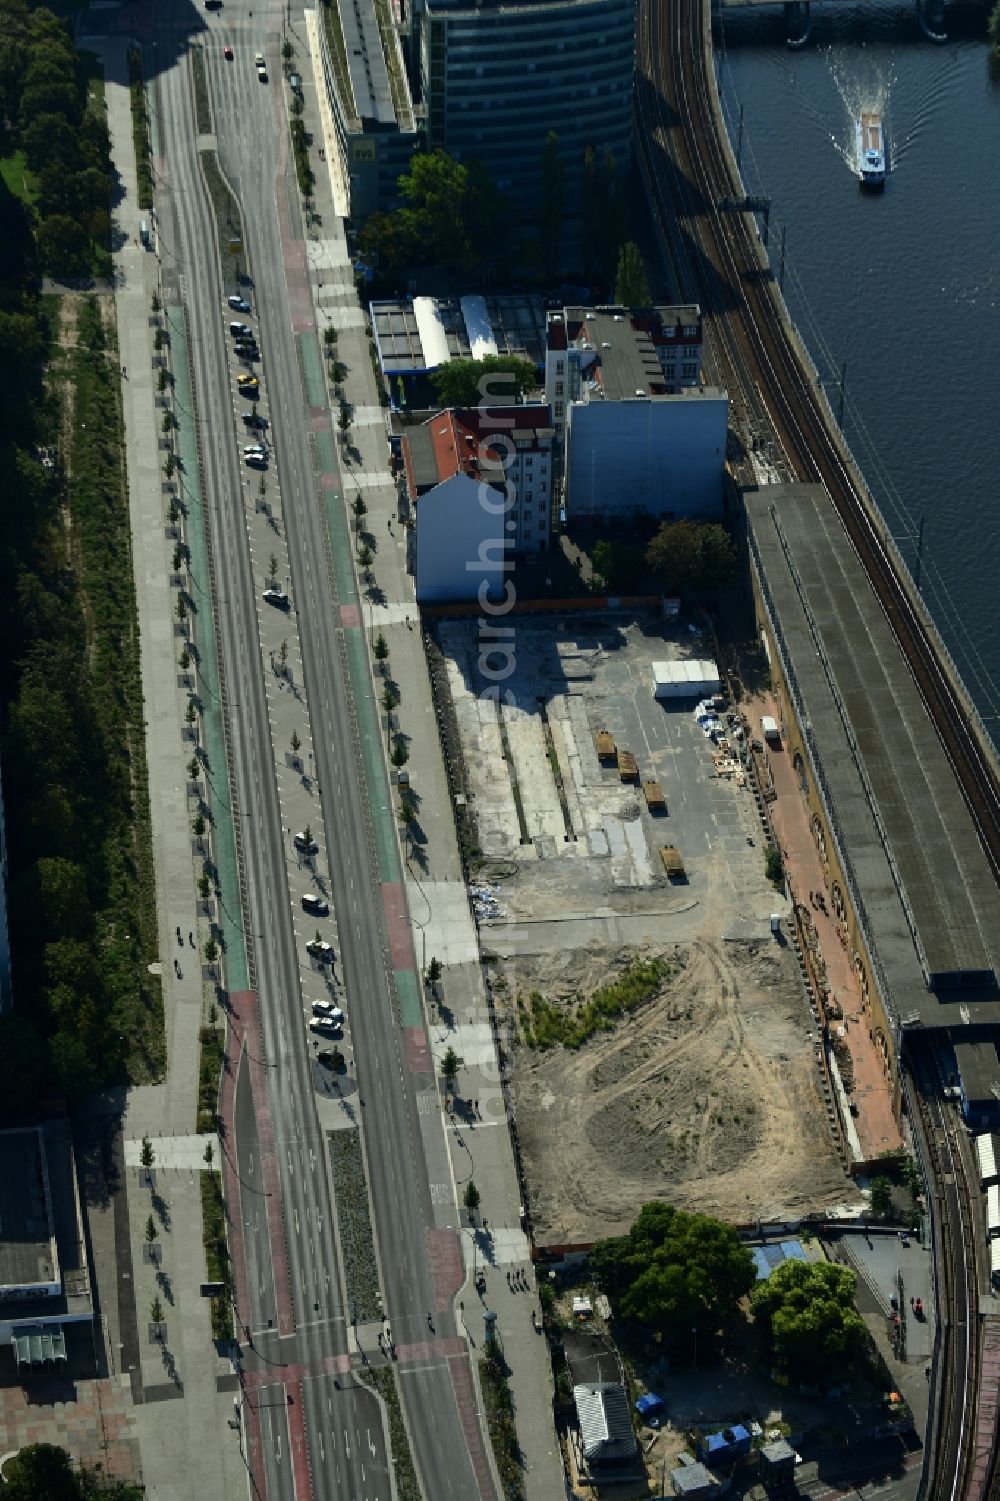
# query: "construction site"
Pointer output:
{"type": "Point", "coordinates": [661, 1038]}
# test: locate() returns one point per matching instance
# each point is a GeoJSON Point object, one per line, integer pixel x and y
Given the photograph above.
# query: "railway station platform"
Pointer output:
{"type": "Point", "coordinates": [908, 876]}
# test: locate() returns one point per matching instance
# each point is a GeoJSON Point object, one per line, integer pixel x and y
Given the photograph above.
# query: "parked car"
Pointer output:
{"type": "Point", "coordinates": [250, 448]}
{"type": "Point", "coordinates": [246, 349]}
{"type": "Point", "coordinates": [329, 1010]}
{"type": "Point", "coordinates": [249, 385]}
{"type": "Point", "coordinates": [316, 904]}
{"type": "Point", "coordinates": [255, 460]}
{"type": "Point", "coordinates": [254, 419]}
{"type": "Point", "coordinates": [227, 53]}
{"type": "Point", "coordinates": [308, 846]}
{"type": "Point", "coordinates": [276, 597]}
{"type": "Point", "coordinates": [239, 304]}
{"type": "Point", "coordinates": [241, 330]}
{"type": "Point", "coordinates": [332, 1057]}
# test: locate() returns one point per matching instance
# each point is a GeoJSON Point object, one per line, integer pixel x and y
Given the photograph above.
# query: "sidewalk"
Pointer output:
{"type": "Point", "coordinates": [440, 915]}
{"type": "Point", "coordinates": [187, 1450]}
{"type": "Point", "coordinates": [808, 881]}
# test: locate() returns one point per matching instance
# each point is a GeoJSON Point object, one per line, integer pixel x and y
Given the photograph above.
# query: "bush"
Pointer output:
{"type": "Point", "coordinates": [544, 1025]}
{"type": "Point", "coordinates": [773, 867]}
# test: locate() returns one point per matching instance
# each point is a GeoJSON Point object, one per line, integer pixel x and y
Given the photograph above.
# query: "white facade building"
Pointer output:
{"type": "Point", "coordinates": [480, 483]}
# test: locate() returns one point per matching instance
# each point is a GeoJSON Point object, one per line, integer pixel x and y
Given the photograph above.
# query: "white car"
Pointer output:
{"type": "Point", "coordinates": [316, 904]}
{"type": "Point", "coordinates": [256, 451]}
{"type": "Point", "coordinates": [324, 1027]}
{"type": "Point", "coordinates": [255, 460]}
{"type": "Point", "coordinates": [239, 304]}
{"type": "Point", "coordinates": [319, 949]}
{"type": "Point", "coordinates": [328, 1010]}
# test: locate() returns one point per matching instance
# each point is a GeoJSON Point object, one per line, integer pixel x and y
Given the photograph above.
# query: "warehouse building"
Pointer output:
{"type": "Point", "coordinates": [417, 335]}
{"type": "Point", "coordinates": [979, 1084]}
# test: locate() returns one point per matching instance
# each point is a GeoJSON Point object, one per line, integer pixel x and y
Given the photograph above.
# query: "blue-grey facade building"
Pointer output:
{"type": "Point", "coordinates": [496, 78]}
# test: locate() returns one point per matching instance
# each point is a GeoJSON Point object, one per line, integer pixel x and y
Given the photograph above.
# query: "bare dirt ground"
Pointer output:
{"type": "Point", "coordinates": [706, 1097]}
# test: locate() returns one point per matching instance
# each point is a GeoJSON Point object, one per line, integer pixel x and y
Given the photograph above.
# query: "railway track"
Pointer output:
{"type": "Point", "coordinates": [951, 1448]}
{"type": "Point", "coordinates": [688, 173]}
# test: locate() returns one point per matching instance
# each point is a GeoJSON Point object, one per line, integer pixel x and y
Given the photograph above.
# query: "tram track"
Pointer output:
{"type": "Point", "coordinates": [688, 174]}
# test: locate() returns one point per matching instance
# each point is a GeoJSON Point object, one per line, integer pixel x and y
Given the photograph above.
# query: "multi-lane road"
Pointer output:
{"type": "Point", "coordinates": [314, 1424]}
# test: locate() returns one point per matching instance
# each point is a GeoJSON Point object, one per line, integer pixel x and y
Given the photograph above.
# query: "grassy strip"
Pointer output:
{"type": "Point", "coordinates": [209, 1069]}
{"type": "Point", "coordinates": [544, 1025]}
{"type": "Point", "coordinates": [300, 150]}
{"type": "Point", "coordinates": [357, 1244]}
{"type": "Point", "coordinates": [213, 1219]}
{"type": "Point", "coordinates": [202, 108]}
{"type": "Point", "coordinates": [232, 261]}
{"type": "Point", "coordinates": [499, 1404]}
{"type": "Point", "coordinates": [98, 501]}
{"type": "Point", "coordinates": [384, 1382]}
{"type": "Point", "coordinates": [140, 129]}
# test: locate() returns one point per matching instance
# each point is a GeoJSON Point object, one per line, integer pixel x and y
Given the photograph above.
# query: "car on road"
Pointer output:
{"type": "Point", "coordinates": [276, 597]}
{"type": "Point", "coordinates": [255, 460]}
{"type": "Point", "coordinates": [246, 350]}
{"type": "Point", "coordinates": [316, 904]}
{"type": "Point", "coordinates": [329, 1010]}
{"type": "Point", "coordinates": [248, 384]}
{"type": "Point", "coordinates": [261, 66]}
{"type": "Point", "coordinates": [254, 419]}
{"type": "Point", "coordinates": [239, 304]}
{"type": "Point", "coordinates": [306, 843]}
{"type": "Point", "coordinates": [255, 448]}
{"type": "Point", "coordinates": [241, 330]}
{"type": "Point", "coordinates": [317, 948]}
{"type": "Point", "coordinates": [227, 53]}
{"type": "Point", "coordinates": [332, 1057]}
{"type": "Point", "coordinates": [323, 1027]}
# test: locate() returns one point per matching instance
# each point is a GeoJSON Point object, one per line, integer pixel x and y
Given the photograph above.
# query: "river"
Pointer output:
{"type": "Point", "coordinates": [903, 286]}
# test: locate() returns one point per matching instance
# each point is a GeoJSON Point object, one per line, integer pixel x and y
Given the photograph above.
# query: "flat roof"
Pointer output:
{"type": "Point", "coordinates": [929, 899]}
{"type": "Point", "coordinates": [979, 1068]}
{"type": "Point", "coordinates": [415, 335]}
{"type": "Point", "coordinates": [366, 61]}
{"type": "Point", "coordinates": [27, 1241]}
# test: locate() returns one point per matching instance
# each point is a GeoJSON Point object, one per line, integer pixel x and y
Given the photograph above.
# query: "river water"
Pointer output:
{"type": "Point", "coordinates": [903, 286]}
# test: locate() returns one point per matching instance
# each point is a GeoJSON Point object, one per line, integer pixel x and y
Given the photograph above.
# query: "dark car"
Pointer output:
{"type": "Point", "coordinates": [254, 419]}
{"type": "Point", "coordinates": [246, 350]}
{"type": "Point", "coordinates": [276, 597]}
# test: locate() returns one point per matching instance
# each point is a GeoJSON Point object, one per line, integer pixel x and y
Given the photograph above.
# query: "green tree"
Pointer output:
{"type": "Point", "coordinates": [675, 1272]}
{"type": "Point", "coordinates": [498, 379]}
{"type": "Point", "coordinates": [60, 891]}
{"type": "Point", "coordinates": [881, 1197]}
{"type": "Point", "coordinates": [387, 243]}
{"type": "Point", "coordinates": [433, 972]}
{"type": "Point", "coordinates": [449, 1068]}
{"type": "Point", "coordinates": [551, 207]}
{"type": "Point", "coordinates": [156, 1311]}
{"type": "Point", "coordinates": [147, 1155]}
{"type": "Point", "coordinates": [208, 1153]}
{"type": "Point", "coordinates": [692, 555]}
{"type": "Point", "coordinates": [611, 215]}
{"type": "Point", "coordinates": [631, 286]}
{"type": "Point", "coordinates": [471, 1199]}
{"type": "Point", "coordinates": [62, 245]}
{"type": "Point", "coordinates": [41, 1470]}
{"type": "Point", "coordinates": [619, 564]}
{"type": "Point", "coordinates": [211, 950]}
{"type": "Point", "coordinates": [150, 1230]}
{"type": "Point", "coordinates": [993, 29]}
{"type": "Point", "coordinates": [807, 1309]}
{"type": "Point", "coordinates": [399, 754]}
{"type": "Point", "coordinates": [589, 210]}
{"type": "Point", "coordinates": [773, 865]}
{"type": "Point", "coordinates": [381, 648]}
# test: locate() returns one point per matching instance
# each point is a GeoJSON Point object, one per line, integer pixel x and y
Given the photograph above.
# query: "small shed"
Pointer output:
{"type": "Point", "coordinates": [988, 1157]}
{"type": "Point", "coordinates": [693, 1482]}
{"type": "Point", "coordinates": [651, 1408]}
{"type": "Point", "coordinates": [693, 677]}
{"type": "Point", "coordinates": [766, 1258]}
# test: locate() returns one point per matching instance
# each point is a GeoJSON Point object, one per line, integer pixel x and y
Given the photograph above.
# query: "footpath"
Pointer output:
{"type": "Point", "coordinates": [180, 1385]}
{"type": "Point", "coordinates": [438, 903]}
